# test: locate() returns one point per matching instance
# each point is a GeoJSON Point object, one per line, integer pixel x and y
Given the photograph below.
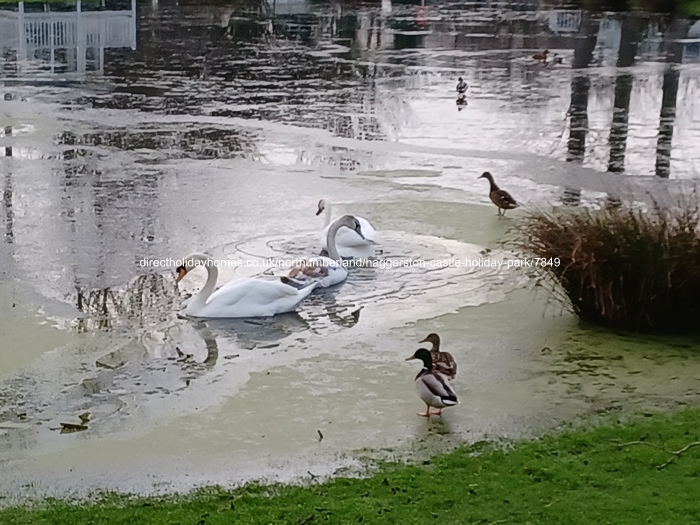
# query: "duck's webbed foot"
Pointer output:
{"type": "Point", "coordinates": [426, 413]}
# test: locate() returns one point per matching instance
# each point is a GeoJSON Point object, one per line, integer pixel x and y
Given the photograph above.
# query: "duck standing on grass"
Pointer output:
{"type": "Point", "coordinates": [501, 198]}
{"type": "Point", "coordinates": [443, 362]}
{"type": "Point", "coordinates": [434, 389]}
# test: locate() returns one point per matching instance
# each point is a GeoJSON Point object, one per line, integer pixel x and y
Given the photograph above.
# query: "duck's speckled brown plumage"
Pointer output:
{"type": "Point", "coordinates": [443, 362]}
{"type": "Point", "coordinates": [314, 269]}
{"type": "Point", "coordinates": [501, 198]}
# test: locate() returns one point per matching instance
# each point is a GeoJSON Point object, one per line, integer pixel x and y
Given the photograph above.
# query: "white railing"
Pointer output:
{"type": "Point", "coordinates": [77, 30]}
{"type": "Point", "coordinates": [9, 32]}
{"type": "Point", "coordinates": [43, 30]}
{"type": "Point", "coordinates": [288, 7]}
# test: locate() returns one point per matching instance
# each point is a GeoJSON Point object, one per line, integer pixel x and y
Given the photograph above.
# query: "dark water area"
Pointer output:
{"type": "Point", "coordinates": [314, 63]}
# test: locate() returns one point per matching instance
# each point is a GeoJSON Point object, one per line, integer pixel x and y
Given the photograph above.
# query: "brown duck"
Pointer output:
{"type": "Point", "coordinates": [499, 197]}
{"type": "Point", "coordinates": [541, 56]}
{"type": "Point", "coordinates": [443, 362]}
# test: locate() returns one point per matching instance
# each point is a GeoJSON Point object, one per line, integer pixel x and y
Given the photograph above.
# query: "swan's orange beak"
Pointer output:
{"type": "Point", "coordinates": [181, 272]}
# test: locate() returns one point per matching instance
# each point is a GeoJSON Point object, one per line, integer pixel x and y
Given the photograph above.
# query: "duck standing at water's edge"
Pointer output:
{"type": "Point", "coordinates": [443, 362]}
{"type": "Point", "coordinates": [434, 389]}
{"type": "Point", "coordinates": [501, 198]}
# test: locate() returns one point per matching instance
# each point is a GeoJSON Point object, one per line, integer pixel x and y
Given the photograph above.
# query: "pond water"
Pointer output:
{"type": "Point", "coordinates": [192, 127]}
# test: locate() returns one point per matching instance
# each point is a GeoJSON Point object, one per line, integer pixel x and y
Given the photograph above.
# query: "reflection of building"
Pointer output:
{"type": "Point", "coordinates": [561, 21]}
{"type": "Point", "coordinates": [373, 31]}
{"type": "Point", "coordinates": [691, 48]}
{"type": "Point", "coordinates": [610, 34]}
{"type": "Point", "coordinates": [609, 38]}
{"type": "Point", "coordinates": [288, 7]}
{"type": "Point", "coordinates": [68, 41]}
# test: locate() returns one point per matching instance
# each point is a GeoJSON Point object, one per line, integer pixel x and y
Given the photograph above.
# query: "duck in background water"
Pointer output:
{"type": "Point", "coordinates": [556, 59]}
{"type": "Point", "coordinates": [541, 57]}
{"type": "Point", "coordinates": [462, 86]}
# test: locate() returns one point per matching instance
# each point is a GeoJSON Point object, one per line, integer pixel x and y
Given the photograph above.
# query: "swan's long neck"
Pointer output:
{"type": "Point", "coordinates": [326, 215]}
{"type": "Point", "coordinates": [330, 241]}
{"type": "Point", "coordinates": [212, 276]}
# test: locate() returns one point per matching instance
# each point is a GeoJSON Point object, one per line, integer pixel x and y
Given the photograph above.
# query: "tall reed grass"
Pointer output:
{"type": "Point", "coordinates": [623, 268]}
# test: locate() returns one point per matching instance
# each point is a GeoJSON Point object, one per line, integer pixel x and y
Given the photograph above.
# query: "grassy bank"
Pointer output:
{"type": "Point", "coordinates": [580, 477]}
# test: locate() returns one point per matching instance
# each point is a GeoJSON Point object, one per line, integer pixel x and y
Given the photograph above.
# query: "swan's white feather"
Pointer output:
{"type": "Point", "coordinates": [350, 244]}
{"type": "Point", "coordinates": [251, 297]}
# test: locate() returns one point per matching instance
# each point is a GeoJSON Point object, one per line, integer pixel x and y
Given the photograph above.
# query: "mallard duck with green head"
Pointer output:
{"type": "Point", "coordinates": [434, 389]}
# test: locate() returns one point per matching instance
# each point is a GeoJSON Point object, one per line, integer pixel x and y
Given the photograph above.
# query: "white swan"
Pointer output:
{"type": "Point", "coordinates": [326, 271]}
{"type": "Point", "coordinates": [349, 243]}
{"type": "Point", "coordinates": [249, 297]}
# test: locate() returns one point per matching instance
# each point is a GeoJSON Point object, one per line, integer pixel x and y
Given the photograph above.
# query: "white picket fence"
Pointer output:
{"type": "Point", "coordinates": [77, 30]}
{"type": "Point", "coordinates": [561, 21]}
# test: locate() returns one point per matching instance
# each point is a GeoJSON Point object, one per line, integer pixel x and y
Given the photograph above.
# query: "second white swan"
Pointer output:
{"type": "Point", "coordinates": [326, 271]}
{"type": "Point", "coordinates": [349, 243]}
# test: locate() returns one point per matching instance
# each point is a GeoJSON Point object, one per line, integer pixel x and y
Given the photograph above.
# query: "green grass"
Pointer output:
{"type": "Point", "coordinates": [691, 8]}
{"type": "Point", "coordinates": [581, 477]}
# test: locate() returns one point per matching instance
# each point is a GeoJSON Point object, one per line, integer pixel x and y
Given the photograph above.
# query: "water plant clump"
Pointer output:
{"type": "Point", "coordinates": [623, 268]}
